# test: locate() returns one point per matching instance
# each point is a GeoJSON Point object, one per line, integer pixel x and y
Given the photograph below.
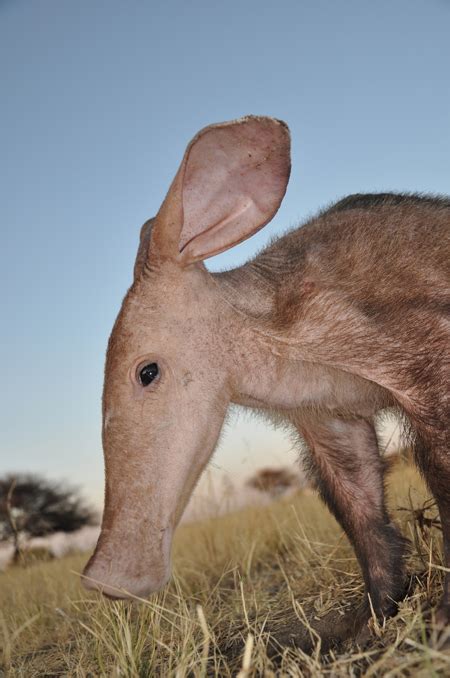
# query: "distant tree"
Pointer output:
{"type": "Point", "coordinates": [274, 481]}
{"type": "Point", "coordinates": [31, 506]}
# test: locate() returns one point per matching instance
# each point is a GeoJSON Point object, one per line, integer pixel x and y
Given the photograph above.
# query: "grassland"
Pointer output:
{"type": "Point", "coordinates": [238, 581]}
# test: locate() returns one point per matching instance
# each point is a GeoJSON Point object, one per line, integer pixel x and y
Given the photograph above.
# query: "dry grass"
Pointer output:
{"type": "Point", "coordinates": [237, 579]}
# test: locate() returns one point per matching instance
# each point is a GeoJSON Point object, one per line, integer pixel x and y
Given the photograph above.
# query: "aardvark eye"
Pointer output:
{"type": "Point", "coordinates": [148, 373]}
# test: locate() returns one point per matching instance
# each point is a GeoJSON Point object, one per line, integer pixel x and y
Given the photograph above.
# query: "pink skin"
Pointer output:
{"type": "Point", "coordinates": [158, 439]}
{"type": "Point", "coordinates": [322, 330]}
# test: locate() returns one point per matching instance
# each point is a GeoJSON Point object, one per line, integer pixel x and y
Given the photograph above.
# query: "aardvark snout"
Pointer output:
{"type": "Point", "coordinates": [123, 570]}
{"type": "Point", "coordinates": [125, 583]}
{"type": "Point", "coordinates": [122, 585]}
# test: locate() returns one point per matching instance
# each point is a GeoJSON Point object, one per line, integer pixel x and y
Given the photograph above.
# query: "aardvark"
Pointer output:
{"type": "Point", "coordinates": [332, 323]}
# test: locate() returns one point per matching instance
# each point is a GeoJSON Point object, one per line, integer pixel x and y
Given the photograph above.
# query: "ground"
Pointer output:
{"type": "Point", "coordinates": [240, 581]}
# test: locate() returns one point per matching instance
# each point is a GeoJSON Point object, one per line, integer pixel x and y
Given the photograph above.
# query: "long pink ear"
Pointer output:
{"type": "Point", "coordinates": [142, 253]}
{"type": "Point", "coordinates": [230, 184]}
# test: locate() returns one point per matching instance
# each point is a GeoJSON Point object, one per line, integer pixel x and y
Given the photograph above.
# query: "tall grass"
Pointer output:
{"type": "Point", "coordinates": [238, 580]}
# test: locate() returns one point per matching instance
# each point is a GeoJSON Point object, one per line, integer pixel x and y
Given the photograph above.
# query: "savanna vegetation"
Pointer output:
{"type": "Point", "coordinates": [239, 581]}
{"type": "Point", "coordinates": [31, 506]}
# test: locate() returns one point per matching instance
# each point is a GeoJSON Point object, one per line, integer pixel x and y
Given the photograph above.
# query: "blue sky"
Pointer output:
{"type": "Point", "coordinates": [100, 97]}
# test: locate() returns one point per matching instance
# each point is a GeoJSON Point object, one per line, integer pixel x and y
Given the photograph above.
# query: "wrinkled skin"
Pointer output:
{"type": "Point", "coordinates": [165, 434]}
{"type": "Point", "coordinates": [332, 323]}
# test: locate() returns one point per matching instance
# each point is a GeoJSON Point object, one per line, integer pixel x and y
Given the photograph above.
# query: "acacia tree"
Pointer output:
{"type": "Point", "coordinates": [31, 506]}
{"type": "Point", "coordinates": [274, 481]}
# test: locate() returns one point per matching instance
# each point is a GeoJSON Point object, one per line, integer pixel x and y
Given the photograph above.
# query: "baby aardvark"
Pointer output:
{"type": "Point", "coordinates": [336, 320]}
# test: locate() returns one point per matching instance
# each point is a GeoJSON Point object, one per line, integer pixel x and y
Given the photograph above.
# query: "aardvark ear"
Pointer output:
{"type": "Point", "coordinates": [230, 184]}
{"type": "Point", "coordinates": [144, 243]}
